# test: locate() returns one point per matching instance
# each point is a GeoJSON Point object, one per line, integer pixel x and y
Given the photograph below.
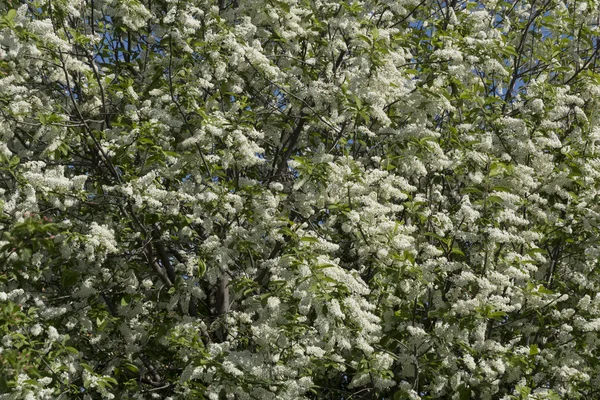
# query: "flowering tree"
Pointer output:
{"type": "Point", "coordinates": [299, 199]}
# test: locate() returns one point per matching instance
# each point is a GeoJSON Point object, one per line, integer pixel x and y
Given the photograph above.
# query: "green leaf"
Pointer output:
{"type": "Point", "coordinates": [11, 14]}
{"type": "Point", "coordinates": [533, 350]}
{"type": "Point", "coordinates": [456, 250]}
{"type": "Point", "coordinates": [68, 278]}
{"type": "Point", "coordinates": [524, 391]}
{"type": "Point", "coordinates": [325, 278]}
{"type": "Point", "coordinates": [471, 189]}
{"type": "Point", "coordinates": [364, 38]}
{"type": "Point", "coordinates": [324, 266]}
{"type": "Point", "coordinates": [497, 168]}
{"type": "Point", "coordinates": [131, 367]}
{"type": "Point", "coordinates": [495, 199]}
{"type": "Point", "coordinates": [284, 6]}
{"type": "Point", "coordinates": [124, 301]}
{"type": "Point", "coordinates": [309, 239]}
{"type": "Point", "coordinates": [110, 380]}
{"type": "Point", "coordinates": [536, 250]}
{"type": "Point", "coordinates": [408, 256]}
{"type": "Point", "coordinates": [497, 315]}
{"type": "Point", "coordinates": [508, 49]}
{"type": "Point", "coordinates": [435, 236]}
{"type": "Point", "coordinates": [464, 393]}
{"type": "Point", "coordinates": [14, 161]}
{"type": "Point", "coordinates": [201, 267]}
{"type": "Point", "coordinates": [544, 290]}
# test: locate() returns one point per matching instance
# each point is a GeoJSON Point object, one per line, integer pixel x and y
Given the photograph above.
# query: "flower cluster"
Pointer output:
{"type": "Point", "coordinates": [288, 200]}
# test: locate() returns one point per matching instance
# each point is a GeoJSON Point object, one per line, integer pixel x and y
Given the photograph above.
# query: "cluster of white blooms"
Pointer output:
{"type": "Point", "coordinates": [99, 242]}
{"type": "Point", "coordinates": [227, 199]}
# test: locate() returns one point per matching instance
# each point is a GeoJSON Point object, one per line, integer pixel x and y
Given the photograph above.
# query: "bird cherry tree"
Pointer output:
{"type": "Point", "coordinates": [299, 199]}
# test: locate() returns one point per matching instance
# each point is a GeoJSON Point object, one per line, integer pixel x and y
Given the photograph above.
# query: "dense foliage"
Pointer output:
{"type": "Point", "coordinates": [299, 199]}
